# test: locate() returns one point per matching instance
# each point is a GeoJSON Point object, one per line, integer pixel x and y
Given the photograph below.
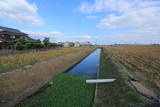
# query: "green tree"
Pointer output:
{"type": "Point", "coordinates": [46, 42]}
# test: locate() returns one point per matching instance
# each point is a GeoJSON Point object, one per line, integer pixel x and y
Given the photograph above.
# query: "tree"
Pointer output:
{"type": "Point", "coordinates": [38, 41]}
{"type": "Point", "coordinates": [46, 42]}
{"type": "Point", "coordinates": [22, 44]}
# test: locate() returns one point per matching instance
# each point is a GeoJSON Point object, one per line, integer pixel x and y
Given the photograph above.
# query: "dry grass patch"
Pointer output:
{"type": "Point", "coordinates": [13, 61]}
{"type": "Point", "coordinates": [143, 62]}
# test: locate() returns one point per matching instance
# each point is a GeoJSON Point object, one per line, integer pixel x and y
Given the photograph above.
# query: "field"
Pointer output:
{"type": "Point", "coordinates": [114, 94]}
{"type": "Point", "coordinates": [17, 60]}
{"type": "Point", "coordinates": [135, 68]}
{"type": "Point", "coordinates": [142, 62]}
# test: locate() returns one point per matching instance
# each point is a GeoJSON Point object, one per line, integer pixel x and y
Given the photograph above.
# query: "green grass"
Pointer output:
{"type": "Point", "coordinates": [66, 91]}
{"type": "Point", "coordinates": [118, 93]}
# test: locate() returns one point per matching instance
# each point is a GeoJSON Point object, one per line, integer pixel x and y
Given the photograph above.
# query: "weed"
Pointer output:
{"type": "Point", "coordinates": [66, 91]}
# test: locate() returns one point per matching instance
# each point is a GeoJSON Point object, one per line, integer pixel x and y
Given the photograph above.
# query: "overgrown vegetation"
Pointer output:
{"type": "Point", "coordinates": [115, 94]}
{"type": "Point", "coordinates": [22, 44]}
{"type": "Point", "coordinates": [66, 91]}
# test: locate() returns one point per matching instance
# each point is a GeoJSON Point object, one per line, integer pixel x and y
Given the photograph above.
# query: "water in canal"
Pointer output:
{"type": "Point", "coordinates": [88, 67]}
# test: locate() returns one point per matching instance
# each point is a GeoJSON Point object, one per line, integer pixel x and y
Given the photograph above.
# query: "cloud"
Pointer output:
{"type": "Point", "coordinates": [92, 17]}
{"type": "Point", "coordinates": [57, 36]}
{"type": "Point", "coordinates": [54, 36]}
{"type": "Point", "coordinates": [43, 34]}
{"type": "Point", "coordinates": [142, 15]}
{"type": "Point", "coordinates": [81, 37]}
{"type": "Point", "coordinates": [20, 11]}
{"type": "Point", "coordinates": [55, 33]}
{"type": "Point", "coordinates": [63, 37]}
{"type": "Point", "coordinates": [84, 8]}
{"type": "Point", "coordinates": [103, 5]}
{"type": "Point", "coordinates": [138, 36]}
{"type": "Point", "coordinates": [76, 38]}
{"type": "Point", "coordinates": [86, 37]}
{"type": "Point", "coordinates": [125, 13]}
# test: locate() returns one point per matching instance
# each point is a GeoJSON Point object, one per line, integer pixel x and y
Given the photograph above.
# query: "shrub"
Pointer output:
{"type": "Point", "coordinates": [20, 47]}
{"type": "Point", "coordinates": [22, 44]}
{"type": "Point", "coordinates": [52, 45]}
{"type": "Point", "coordinates": [29, 45]}
{"type": "Point", "coordinates": [37, 45]}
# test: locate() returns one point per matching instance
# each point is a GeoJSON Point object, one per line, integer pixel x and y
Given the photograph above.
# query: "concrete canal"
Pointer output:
{"type": "Point", "coordinates": [88, 67]}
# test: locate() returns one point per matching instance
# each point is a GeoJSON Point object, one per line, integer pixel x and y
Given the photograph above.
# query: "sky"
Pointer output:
{"type": "Point", "coordinates": [98, 21]}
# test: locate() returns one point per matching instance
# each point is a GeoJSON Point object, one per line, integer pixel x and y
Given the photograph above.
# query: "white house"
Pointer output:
{"type": "Point", "coordinates": [87, 43]}
{"type": "Point", "coordinates": [68, 44]}
{"type": "Point", "coordinates": [77, 44]}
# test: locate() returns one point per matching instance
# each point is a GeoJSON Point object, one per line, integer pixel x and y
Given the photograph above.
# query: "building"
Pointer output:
{"type": "Point", "coordinates": [74, 44]}
{"type": "Point", "coordinates": [68, 44]}
{"type": "Point", "coordinates": [87, 43]}
{"type": "Point", "coordinates": [77, 44]}
{"type": "Point", "coordinates": [8, 37]}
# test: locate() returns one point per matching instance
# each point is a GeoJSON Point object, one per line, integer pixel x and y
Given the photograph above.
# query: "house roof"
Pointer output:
{"type": "Point", "coordinates": [10, 30]}
{"type": "Point", "coordinates": [4, 30]}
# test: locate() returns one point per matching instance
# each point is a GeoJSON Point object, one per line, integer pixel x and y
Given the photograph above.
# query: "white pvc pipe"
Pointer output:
{"type": "Point", "coordinates": [100, 80]}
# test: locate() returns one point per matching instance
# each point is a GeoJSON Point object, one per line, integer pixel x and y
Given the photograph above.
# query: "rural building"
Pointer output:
{"type": "Point", "coordinates": [74, 44]}
{"type": "Point", "coordinates": [61, 44]}
{"type": "Point", "coordinates": [87, 43]}
{"type": "Point", "coordinates": [8, 36]}
{"type": "Point", "coordinates": [68, 44]}
{"type": "Point", "coordinates": [77, 44]}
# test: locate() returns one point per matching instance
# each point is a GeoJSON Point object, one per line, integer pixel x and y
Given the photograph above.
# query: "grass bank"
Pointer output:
{"type": "Point", "coordinates": [118, 93]}
{"type": "Point", "coordinates": [66, 91]}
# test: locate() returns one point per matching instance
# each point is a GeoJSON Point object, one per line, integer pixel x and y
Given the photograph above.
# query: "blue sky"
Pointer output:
{"type": "Point", "coordinates": [104, 21]}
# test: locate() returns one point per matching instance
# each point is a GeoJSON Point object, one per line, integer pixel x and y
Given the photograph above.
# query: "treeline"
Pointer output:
{"type": "Point", "coordinates": [22, 44]}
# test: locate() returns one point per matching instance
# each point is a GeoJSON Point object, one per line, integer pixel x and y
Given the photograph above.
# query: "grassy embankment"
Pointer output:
{"type": "Point", "coordinates": [11, 62]}
{"type": "Point", "coordinates": [16, 86]}
{"type": "Point", "coordinates": [66, 91]}
{"type": "Point", "coordinates": [115, 94]}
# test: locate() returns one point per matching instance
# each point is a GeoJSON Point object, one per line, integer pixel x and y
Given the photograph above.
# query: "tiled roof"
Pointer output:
{"type": "Point", "coordinates": [10, 30]}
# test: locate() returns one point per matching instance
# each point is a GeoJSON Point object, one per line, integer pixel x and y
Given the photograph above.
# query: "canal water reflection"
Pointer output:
{"type": "Point", "coordinates": [88, 67]}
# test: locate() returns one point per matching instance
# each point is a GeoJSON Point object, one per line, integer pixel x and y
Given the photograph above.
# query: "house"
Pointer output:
{"type": "Point", "coordinates": [68, 44]}
{"type": "Point", "coordinates": [60, 44]}
{"type": "Point", "coordinates": [8, 37]}
{"type": "Point", "coordinates": [77, 44]}
{"type": "Point", "coordinates": [87, 43]}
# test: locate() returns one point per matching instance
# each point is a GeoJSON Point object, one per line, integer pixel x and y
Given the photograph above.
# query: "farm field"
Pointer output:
{"type": "Point", "coordinates": [133, 67]}
{"type": "Point", "coordinates": [17, 60]}
{"type": "Point", "coordinates": [114, 94]}
{"type": "Point", "coordinates": [142, 63]}
{"type": "Point", "coordinates": [133, 85]}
